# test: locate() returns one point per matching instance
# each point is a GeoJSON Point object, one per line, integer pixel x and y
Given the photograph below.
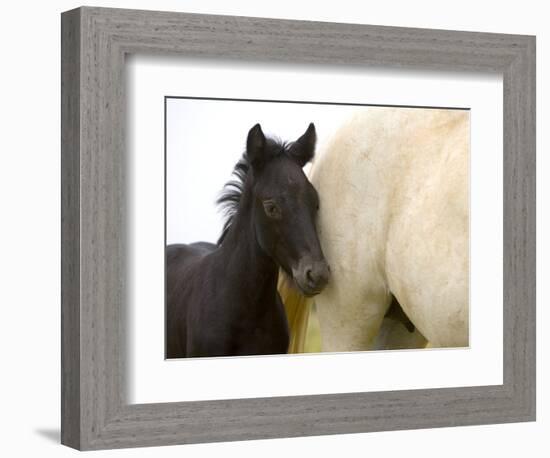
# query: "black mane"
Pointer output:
{"type": "Point", "coordinates": [231, 194]}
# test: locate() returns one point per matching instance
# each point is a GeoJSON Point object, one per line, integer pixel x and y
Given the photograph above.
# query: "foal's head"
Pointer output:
{"type": "Point", "coordinates": [284, 206]}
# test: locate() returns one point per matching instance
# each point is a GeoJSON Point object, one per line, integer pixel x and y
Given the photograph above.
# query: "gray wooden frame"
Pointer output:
{"type": "Point", "coordinates": [95, 413]}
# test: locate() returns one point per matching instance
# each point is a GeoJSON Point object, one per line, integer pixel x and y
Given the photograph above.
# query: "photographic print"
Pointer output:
{"type": "Point", "coordinates": [301, 227]}
{"type": "Point", "coordinates": [383, 205]}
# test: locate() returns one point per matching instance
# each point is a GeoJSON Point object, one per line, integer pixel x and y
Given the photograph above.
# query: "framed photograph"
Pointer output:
{"type": "Point", "coordinates": [277, 228]}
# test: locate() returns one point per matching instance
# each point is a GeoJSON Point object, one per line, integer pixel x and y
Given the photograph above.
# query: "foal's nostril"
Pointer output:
{"type": "Point", "coordinates": [309, 276]}
{"type": "Point", "coordinates": [317, 275]}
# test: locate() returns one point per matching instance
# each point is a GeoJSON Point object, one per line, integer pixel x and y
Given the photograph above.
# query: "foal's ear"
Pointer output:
{"type": "Point", "coordinates": [255, 145]}
{"type": "Point", "coordinates": [303, 149]}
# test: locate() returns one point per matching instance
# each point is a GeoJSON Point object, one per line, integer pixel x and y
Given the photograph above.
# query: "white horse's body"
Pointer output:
{"type": "Point", "coordinates": [394, 218]}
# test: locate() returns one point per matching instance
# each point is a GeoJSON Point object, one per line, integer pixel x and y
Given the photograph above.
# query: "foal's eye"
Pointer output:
{"type": "Point", "coordinates": [272, 209]}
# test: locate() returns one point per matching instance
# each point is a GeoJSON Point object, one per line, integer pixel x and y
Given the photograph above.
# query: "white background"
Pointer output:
{"type": "Point", "coordinates": [211, 132]}
{"type": "Point", "coordinates": [29, 190]}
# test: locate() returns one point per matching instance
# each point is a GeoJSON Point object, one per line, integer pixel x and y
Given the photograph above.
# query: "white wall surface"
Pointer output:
{"type": "Point", "coordinates": [30, 227]}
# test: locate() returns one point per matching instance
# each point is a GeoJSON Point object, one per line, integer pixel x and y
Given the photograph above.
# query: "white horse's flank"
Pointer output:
{"type": "Point", "coordinates": [394, 218]}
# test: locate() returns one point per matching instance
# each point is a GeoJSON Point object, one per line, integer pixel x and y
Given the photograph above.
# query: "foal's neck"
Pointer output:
{"type": "Point", "coordinates": [249, 265]}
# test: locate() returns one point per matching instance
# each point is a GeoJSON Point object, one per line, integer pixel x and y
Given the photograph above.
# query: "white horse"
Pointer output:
{"type": "Point", "coordinates": [394, 220]}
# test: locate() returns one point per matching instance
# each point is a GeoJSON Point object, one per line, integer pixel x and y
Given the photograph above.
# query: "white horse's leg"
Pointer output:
{"type": "Point", "coordinates": [348, 325]}
{"type": "Point", "coordinates": [352, 233]}
{"type": "Point", "coordinates": [352, 306]}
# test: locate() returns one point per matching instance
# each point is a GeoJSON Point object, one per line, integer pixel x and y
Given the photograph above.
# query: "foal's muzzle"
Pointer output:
{"type": "Point", "coordinates": [311, 276]}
